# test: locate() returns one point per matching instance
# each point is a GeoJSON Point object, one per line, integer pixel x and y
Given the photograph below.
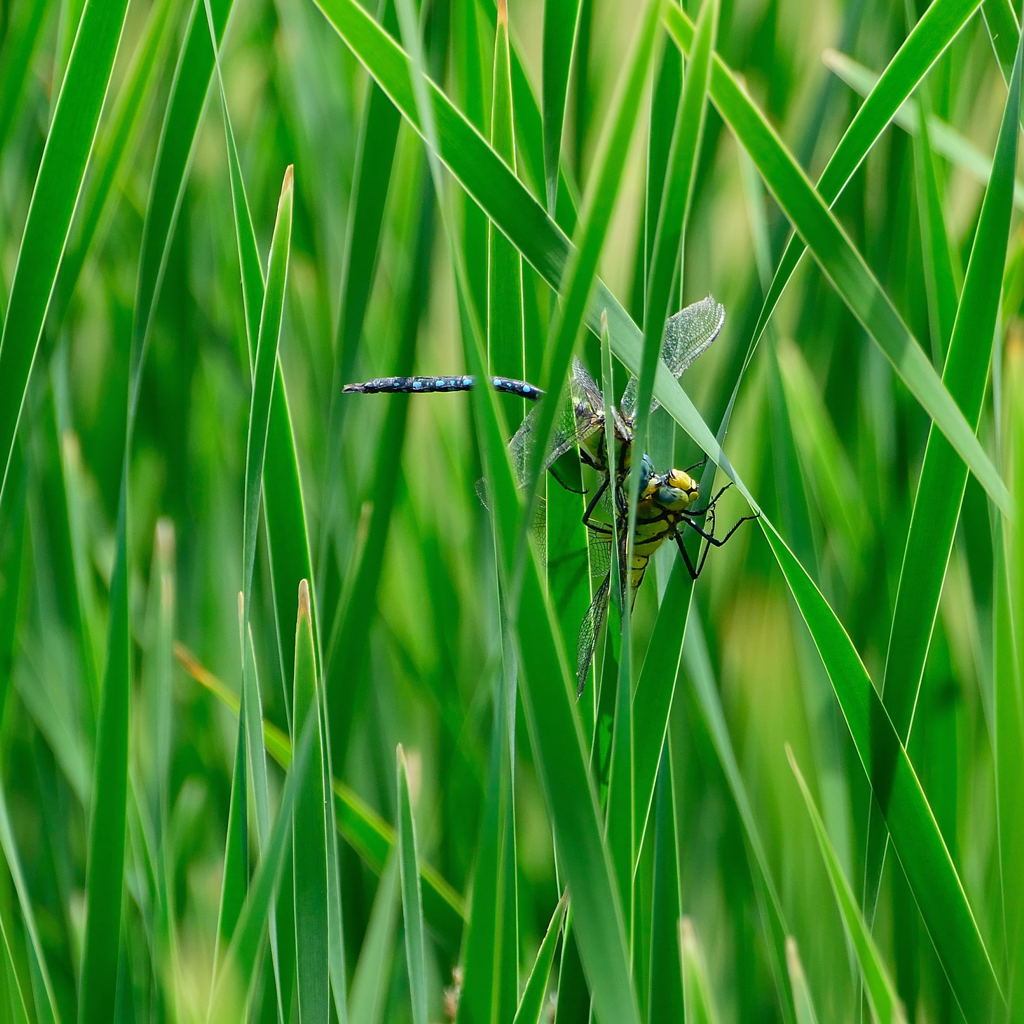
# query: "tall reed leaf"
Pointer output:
{"type": "Point", "coordinates": [58, 185]}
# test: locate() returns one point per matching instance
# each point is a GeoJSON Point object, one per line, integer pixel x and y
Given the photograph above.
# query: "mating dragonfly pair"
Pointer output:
{"type": "Point", "coordinates": [667, 504]}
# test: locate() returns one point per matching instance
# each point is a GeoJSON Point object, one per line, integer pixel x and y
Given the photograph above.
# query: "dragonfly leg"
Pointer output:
{"type": "Point", "coordinates": [711, 504]}
{"type": "Point", "coordinates": [690, 567]}
{"type": "Point", "coordinates": [589, 523]}
{"type": "Point", "coordinates": [697, 465]}
{"type": "Point", "coordinates": [562, 483]}
{"type": "Point", "coordinates": [709, 539]}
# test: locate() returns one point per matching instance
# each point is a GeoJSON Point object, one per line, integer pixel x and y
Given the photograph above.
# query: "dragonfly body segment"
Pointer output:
{"type": "Point", "coordinates": [434, 385]}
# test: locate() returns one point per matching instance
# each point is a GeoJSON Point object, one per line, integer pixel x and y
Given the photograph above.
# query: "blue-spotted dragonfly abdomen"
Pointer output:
{"type": "Point", "coordinates": [433, 385]}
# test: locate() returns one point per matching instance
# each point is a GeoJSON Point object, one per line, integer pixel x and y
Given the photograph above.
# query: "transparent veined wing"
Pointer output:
{"type": "Point", "coordinates": [590, 630]}
{"type": "Point", "coordinates": [688, 334]}
{"type": "Point", "coordinates": [579, 417]}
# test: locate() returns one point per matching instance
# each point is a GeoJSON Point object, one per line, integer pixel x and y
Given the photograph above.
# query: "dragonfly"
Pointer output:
{"type": "Point", "coordinates": [668, 504]}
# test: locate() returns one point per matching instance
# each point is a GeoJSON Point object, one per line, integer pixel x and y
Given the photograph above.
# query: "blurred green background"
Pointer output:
{"type": "Point", "coordinates": [157, 865]}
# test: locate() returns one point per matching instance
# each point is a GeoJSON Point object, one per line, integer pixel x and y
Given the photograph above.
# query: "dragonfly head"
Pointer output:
{"type": "Point", "coordinates": [675, 490]}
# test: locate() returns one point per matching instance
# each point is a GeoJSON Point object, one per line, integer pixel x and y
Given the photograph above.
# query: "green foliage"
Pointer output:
{"type": "Point", "coordinates": [229, 593]}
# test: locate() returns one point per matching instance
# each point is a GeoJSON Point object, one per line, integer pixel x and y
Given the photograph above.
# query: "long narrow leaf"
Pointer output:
{"type": "Point", "coordinates": [58, 185]}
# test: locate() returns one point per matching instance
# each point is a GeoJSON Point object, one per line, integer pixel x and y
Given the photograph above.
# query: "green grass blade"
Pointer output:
{"type": "Point", "coordinates": [805, 1013]}
{"type": "Point", "coordinates": [670, 234]}
{"type": "Point", "coordinates": [11, 993]}
{"type": "Point", "coordinates": [698, 1000]}
{"type": "Point", "coordinates": [943, 476]}
{"type": "Point", "coordinates": [283, 504]}
{"type": "Point", "coordinates": [1003, 29]}
{"type": "Point", "coordinates": [181, 124]}
{"type": "Point", "coordinates": [58, 185]}
{"type": "Point", "coordinates": [349, 634]}
{"type": "Point", "coordinates": [1008, 706]}
{"type": "Point", "coordinates": [708, 703]}
{"type": "Point", "coordinates": [310, 849]}
{"type": "Point", "coordinates": [19, 45]}
{"type": "Point", "coordinates": [561, 20]}
{"type": "Point", "coordinates": [412, 903]}
{"type": "Point", "coordinates": [840, 260]}
{"type": "Point", "coordinates": [940, 24]}
{"type": "Point", "coordinates": [45, 1010]}
{"type": "Point", "coordinates": [913, 830]}
{"type": "Point", "coordinates": [881, 993]}
{"type": "Point", "coordinates": [105, 875]}
{"type": "Point", "coordinates": [372, 976]}
{"type": "Point", "coordinates": [943, 276]}
{"type": "Point", "coordinates": [235, 878]}
{"type": "Point", "coordinates": [665, 987]}
{"type": "Point", "coordinates": [264, 372]}
{"type": "Point", "coordinates": [490, 953]}
{"type": "Point", "coordinates": [654, 696]}
{"type": "Point", "coordinates": [115, 147]}
{"type": "Point", "coordinates": [947, 142]}
{"type": "Point", "coordinates": [531, 1004]}
{"type": "Point", "coordinates": [239, 966]}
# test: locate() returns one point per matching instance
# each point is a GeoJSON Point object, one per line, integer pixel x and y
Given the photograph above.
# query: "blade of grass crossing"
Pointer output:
{"type": "Point", "coordinates": [938, 27]}
{"type": "Point", "coordinates": [263, 378]}
{"type": "Point", "coordinates": [58, 185]}
{"type": "Point", "coordinates": [531, 1004]}
{"type": "Point", "coordinates": [1003, 29]}
{"type": "Point", "coordinates": [310, 849]}
{"type": "Point", "coordinates": [881, 993]}
{"type": "Point", "coordinates": [912, 828]}
{"type": "Point", "coordinates": [841, 262]}
{"type": "Point", "coordinates": [561, 20]}
{"type": "Point", "coordinates": [412, 903]}
{"type": "Point", "coordinates": [945, 139]}
{"type": "Point", "coordinates": [942, 277]}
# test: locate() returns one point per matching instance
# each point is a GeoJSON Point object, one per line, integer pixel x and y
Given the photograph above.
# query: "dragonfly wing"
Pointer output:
{"type": "Point", "coordinates": [577, 420]}
{"type": "Point", "coordinates": [688, 334]}
{"type": "Point", "coordinates": [590, 630]}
